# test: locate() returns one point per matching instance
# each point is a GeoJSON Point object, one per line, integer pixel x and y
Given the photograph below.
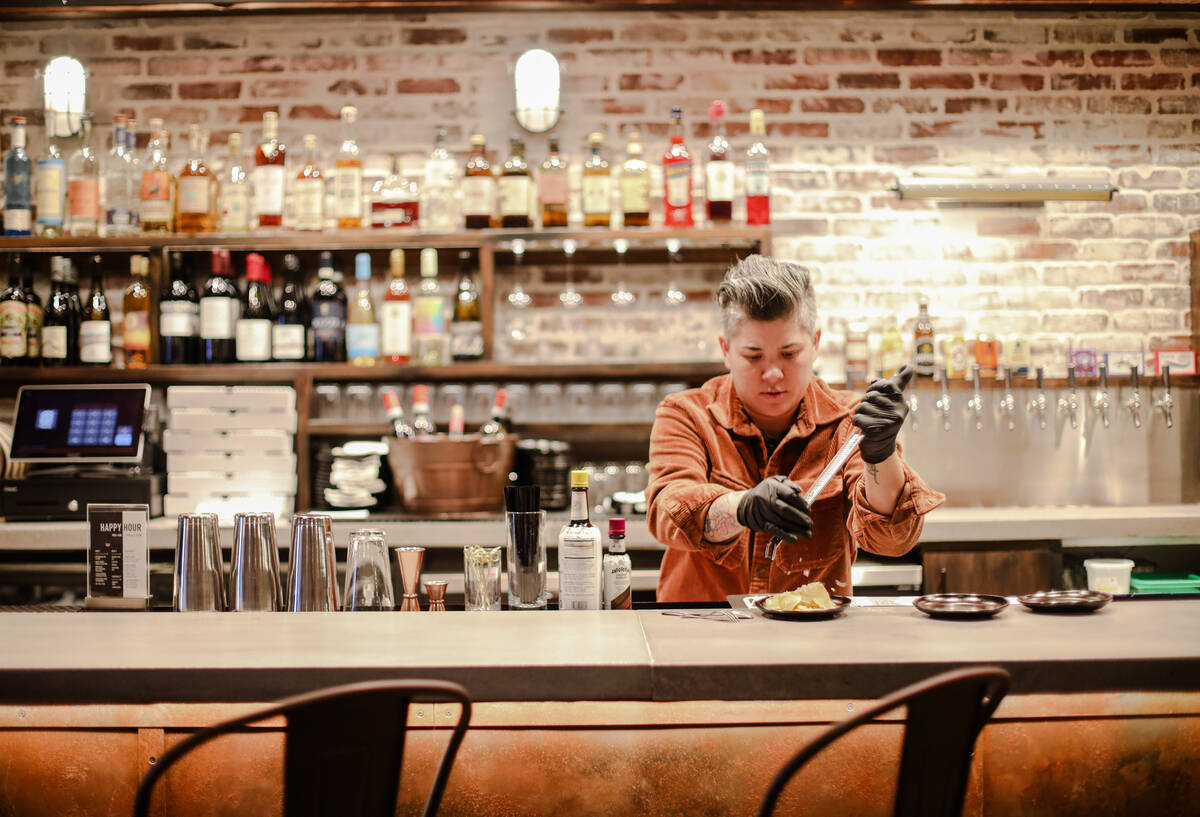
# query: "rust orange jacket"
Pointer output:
{"type": "Point", "coordinates": [704, 445]}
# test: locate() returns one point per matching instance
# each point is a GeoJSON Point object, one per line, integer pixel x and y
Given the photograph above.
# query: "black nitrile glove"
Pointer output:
{"type": "Point", "coordinates": [881, 414]}
{"type": "Point", "coordinates": [776, 506]}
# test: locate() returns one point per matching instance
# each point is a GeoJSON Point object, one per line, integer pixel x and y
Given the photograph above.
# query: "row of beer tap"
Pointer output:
{"type": "Point", "coordinates": [1067, 408]}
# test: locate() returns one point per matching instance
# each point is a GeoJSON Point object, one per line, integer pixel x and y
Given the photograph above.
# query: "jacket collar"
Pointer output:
{"type": "Point", "coordinates": [819, 406]}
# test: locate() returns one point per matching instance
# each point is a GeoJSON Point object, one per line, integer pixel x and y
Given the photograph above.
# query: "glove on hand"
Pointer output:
{"type": "Point", "coordinates": [881, 414]}
{"type": "Point", "coordinates": [776, 506]}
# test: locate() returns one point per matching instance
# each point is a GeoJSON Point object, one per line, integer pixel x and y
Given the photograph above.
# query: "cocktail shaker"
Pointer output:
{"type": "Point", "coordinates": [199, 571]}
{"type": "Point", "coordinates": [254, 570]}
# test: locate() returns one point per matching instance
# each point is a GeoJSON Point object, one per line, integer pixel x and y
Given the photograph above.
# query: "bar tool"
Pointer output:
{"type": "Point", "coordinates": [254, 569]}
{"type": "Point", "coordinates": [408, 562]}
{"type": "Point", "coordinates": [312, 581]}
{"type": "Point", "coordinates": [199, 572]}
{"type": "Point", "coordinates": [814, 490]}
{"type": "Point", "coordinates": [436, 588]}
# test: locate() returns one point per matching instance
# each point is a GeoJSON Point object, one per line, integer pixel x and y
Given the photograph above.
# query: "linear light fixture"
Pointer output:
{"type": "Point", "coordinates": [1014, 189]}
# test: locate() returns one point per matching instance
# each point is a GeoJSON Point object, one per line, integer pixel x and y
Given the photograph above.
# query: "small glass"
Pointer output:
{"type": "Point", "coordinates": [526, 560]}
{"type": "Point", "coordinates": [360, 402]}
{"type": "Point", "coordinates": [481, 577]}
{"type": "Point", "coordinates": [368, 577]}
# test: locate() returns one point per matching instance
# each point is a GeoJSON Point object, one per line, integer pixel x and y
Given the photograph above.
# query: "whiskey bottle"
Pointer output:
{"type": "Point", "coordinates": [136, 327]}
{"type": "Point", "coordinates": [253, 330]}
{"type": "Point", "coordinates": [289, 335]}
{"type": "Point", "coordinates": [758, 173]}
{"type": "Point", "coordinates": [234, 197]}
{"type": "Point", "coordinates": [478, 187]}
{"type": "Point", "coordinates": [395, 330]}
{"type": "Point", "coordinates": [718, 171]}
{"type": "Point", "coordinates": [362, 329]}
{"type": "Point", "coordinates": [635, 184]}
{"type": "Point", "coordinates": [597, 185]}
{"type": "Point", "coordinates": [466, 332]}
{"type": "Point", "coordinates": [195, 193]}
{"type": "Point", "coordinates": [579, 553]}
{"type": "Point", "coordinates": [95, 329]}
{"type": "Point", "coordinates": [617, 568]}
{"type": "Point", "coordinates": [677, 177]}
{"type": "Point", "coordinates": [269, 159]}
{"type": "Point", "coordinates": [308, 191]}
{"type": "Point", "coordinates": [398, 202]}
{"type": "Point", "coordinates": [515, 186]}
{"type": "Point", "coordinates": [554, 187]}
{"type": "Point", "coordinates": [219, 311]}
{"type": "Point", "coordinates": [156, 194]}
{"type": "Point", "coordinates": [328, 315]}
{"type": "Point", "coordinates": [347, 183]}
{"type": "Point", "coordinates": [179, 317]}
{"type": "Point", "coordinates": [83, 186]}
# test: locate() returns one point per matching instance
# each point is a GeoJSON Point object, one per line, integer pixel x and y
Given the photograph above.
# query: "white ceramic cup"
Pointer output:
{"type": "Point", "coordinates": [1108, 575]}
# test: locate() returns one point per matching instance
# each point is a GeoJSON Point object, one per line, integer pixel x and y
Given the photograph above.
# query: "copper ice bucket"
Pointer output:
{"type": "Point", "coordinates": [452, 476]}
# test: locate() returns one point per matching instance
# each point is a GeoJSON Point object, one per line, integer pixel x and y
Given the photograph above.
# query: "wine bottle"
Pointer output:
{"type": "Point", "coordinates": [253, 331]}
{"type": "Point", "coordinates": [219, 311]}
{"type": "Point", "coordinates": [328, 315]}
{"type": "Point", "coordinates": [179, 317]}
{"type": "Point", "coordinates": [13, 341]}
{"type": "Point", "coordinates": [289, 336]}
{"type": "Point", "coordinates": [33, 313]}
{"type": "Point", "coordinates": [362, 329]}
{"type": "Point", "coordinates": [137, 314]}
{"type": "Point", "coordinates": [60, 342]}
{"type": "Point", "coordinates": [95, 328]}
{"type": "Point", "coordinates": [395, 341]}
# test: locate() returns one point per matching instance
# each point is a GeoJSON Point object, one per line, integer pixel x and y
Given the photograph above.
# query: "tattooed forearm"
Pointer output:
{"type": "Point", "coordinates": [873, 470]}
{"type": "Point", "coordinates": [721, 524]}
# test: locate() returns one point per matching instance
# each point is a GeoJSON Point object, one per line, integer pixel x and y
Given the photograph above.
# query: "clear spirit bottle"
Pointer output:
{"type": "Point", "coordinates": [83, 186]}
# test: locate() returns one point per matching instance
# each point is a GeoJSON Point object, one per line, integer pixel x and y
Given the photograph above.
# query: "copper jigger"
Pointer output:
{"type": "Point", "coordinates": [408, 562]}
{"type": "Point", "coordinates": [436, 588]}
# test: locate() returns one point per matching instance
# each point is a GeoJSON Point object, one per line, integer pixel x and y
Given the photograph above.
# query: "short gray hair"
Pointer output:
{"type": "Point", "coordinates": [763, 289]}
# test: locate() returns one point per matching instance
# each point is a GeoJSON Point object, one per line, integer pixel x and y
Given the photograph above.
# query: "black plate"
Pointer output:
{"type": "Point", "coordinates": [960, 605]}
{"type": "Point", "coordinates": [840, 604]}
{"type": "Point", "coordinates": [1065, 601]}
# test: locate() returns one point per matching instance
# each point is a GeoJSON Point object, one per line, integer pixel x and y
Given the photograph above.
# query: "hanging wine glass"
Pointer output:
{"type": "Point", "coordinates": [569, 298]}
{"type": "Point", "coordinates": [622, 296]}
{"type": "Point", "coordinates": [674, 296]}
{"type": "Point", "coordinates": [518, 298]}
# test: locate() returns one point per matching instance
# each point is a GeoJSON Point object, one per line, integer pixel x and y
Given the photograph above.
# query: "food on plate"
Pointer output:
{"type": "Point", "coordinates": [812, 596]}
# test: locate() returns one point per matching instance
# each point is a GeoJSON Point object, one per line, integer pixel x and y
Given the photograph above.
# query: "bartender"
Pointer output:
{"type": "Point", "coordinates": [729, 461]}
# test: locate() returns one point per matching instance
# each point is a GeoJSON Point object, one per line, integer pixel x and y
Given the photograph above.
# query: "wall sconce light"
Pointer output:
{"type": "Point", "coordinates": [536, 82]}
{"type": "Point", "coordinates": [64, 91]}
{"type": "Point", "coordinates": [1004, 190]}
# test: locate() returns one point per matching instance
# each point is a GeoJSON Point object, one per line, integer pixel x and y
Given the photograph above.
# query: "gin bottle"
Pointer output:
{"type": "Point", "coordinates": [579, 553]}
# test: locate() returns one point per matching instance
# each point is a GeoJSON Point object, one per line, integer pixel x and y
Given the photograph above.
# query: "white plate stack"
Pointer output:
{"type": "Point", "coordinates": [354, 476]}
{"type": "Point", "coordinates": [230, 449]}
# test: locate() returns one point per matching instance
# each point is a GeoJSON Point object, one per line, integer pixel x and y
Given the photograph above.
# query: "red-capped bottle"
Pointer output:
{"type": "Point", "coordinates": [677, 177]}
{"type": "Point", "coordinates": [422, 424]}
{"type": "Point", "coordinates": [498, 423]}
{"type": "Point", "coordinates": [395, 413]}
{"type": "Point", "coordinates": [618, 589]}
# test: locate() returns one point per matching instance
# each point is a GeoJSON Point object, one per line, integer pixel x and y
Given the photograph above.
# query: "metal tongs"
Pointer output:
{"type": "Point", "coordinates": [711, 615]}
{"type": "Point", "coordinates": [839, 459]}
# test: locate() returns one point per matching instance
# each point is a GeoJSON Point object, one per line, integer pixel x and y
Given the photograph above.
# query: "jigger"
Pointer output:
{"type": "Point", "coordinates": [436, 588]}
{"type": "Point", "coordinates": [408, 562]}
{"type": "Point", "coordinates": [254, 571]}
{"type": "Point", "coordinates": [312, 568]}
{"type": "Point", "coordinates": [199, 572]}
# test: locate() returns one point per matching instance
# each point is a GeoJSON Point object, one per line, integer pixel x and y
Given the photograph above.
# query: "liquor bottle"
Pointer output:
{"type": "Point", "coordinates": [18, 212]}
{"type": "Point", "coordinates": [328, 315]}
{"type": "Point", "coordinates": [51, 184]}
{"type": "Point", "coordinates": [498, 423]}
{"type": "Point", "coordinates": [677, 177]}
{"type": "Point", "coordinates": [60, 342]}
{"type": "Point", "coordinates": [923, 346]}
{"type": "Point", "coordinates": [398, 200]}
{"type": "Point", "coordinates": [891, 347]}
{"type": "Point", "coordinates": [33, 313]}
{"type": "Point", "coordinates": [137, 314]}
{"type": "Point", "coordinates": [422, 424]}
{"type": "Point", "coordinates": [83, 186]}
{"type": "Point", "coordinates": [156, 198]}
{"type": "Point", "coordinates": [858, 353]}
{"type": "Point", "coordinates": [579, 553]}
{"type": "Point", "coordinates": [466, 332]}
{"type": "Point", "coordinates": [758, 173]}
{"type": "Point", "coordinates": [597, 185]}
{"type": "Point", "coordinates": [718, 171]}
{"type": "Point", "coordinates": [457, 425]}
{"type": "Point", "coordinates": [179, 317]}
{"type": "Point", "coordinates": [554, 187]}
{"type": "Point", "coordinates": [618, 593]}
{"type": "Point", "coordinates": [395, 330]}
{"type": "Point", "coordinates": [516, 184]}
{"type": "Point", "coordinates": [74, 302]}
{"type": "Point", "coordinates": [635, 184]}
{"type": "Point", "coordinates": [478, 187]}
{"type": "Point", "coordinates": [347, 182]}
{"type": "Point", "coordinates": [362, 329]}
{"type": "Point", "coordinates": [233, 201]}
{"type": "Point", "coordinates": [219, 303]}
{"type": "Point", "coordinates": [395, 413]}
{"type": "Point", "coordinates": [308, 192]}
{"type": "Point", "coordinates": [117, 184]}
{"type": "Point", "coordinates": [134, 176]}
{"type": "Point", "coordinates": [194, 193]}
{"type": "Point", "coordinates": [289, 335]}
{"type": "Point", "coordinates": [252, 332]}
{"type": "Point", "coordinates": [269, 157]}
{"type": "Point", "coordinates": [13, 336]}
{"type": "Point", "coordinates": [95, 326]}
{"type": "Point", "coordinates": [431, 338]}
{"type": "Point", "coordinates": [441, 210]}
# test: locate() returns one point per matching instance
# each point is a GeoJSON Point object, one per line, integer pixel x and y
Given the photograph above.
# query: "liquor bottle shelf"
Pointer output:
{"type": "Point", "coordinates": [380, 428]}
{"type": "Point", "coordinates": [391, 237]}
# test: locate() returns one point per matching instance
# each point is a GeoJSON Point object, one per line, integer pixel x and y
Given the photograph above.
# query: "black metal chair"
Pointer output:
{"type": "Point", "coordinates": [343, 747]}
{"type": "Point", "coordinates": [945, 715]}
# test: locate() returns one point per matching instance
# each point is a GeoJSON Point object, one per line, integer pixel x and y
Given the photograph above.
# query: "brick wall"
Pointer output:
{"type": "Point", "coordinates": [852, 101]}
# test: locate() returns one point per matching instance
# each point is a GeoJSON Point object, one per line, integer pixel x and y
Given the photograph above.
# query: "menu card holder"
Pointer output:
{"type": "Point", "coordinates": [118, 557]}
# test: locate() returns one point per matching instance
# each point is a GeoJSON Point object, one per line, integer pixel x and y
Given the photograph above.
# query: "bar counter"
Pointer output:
{"type": "Point", "coordinates": [607, 712]}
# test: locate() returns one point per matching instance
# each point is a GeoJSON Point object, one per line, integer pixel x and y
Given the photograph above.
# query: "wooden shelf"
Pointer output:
{"type": "Point", "coordinates": [376, 428]}
{"type": "Point", "coordinates": [392, 237]}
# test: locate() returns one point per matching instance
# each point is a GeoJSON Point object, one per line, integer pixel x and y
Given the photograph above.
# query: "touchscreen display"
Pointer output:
{"type": "Point", "coordinates": [73, 423]}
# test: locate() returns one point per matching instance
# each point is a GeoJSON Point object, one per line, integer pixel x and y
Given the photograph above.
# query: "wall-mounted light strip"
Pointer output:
{"type": "Point", "coordinates": [1005, 190]}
